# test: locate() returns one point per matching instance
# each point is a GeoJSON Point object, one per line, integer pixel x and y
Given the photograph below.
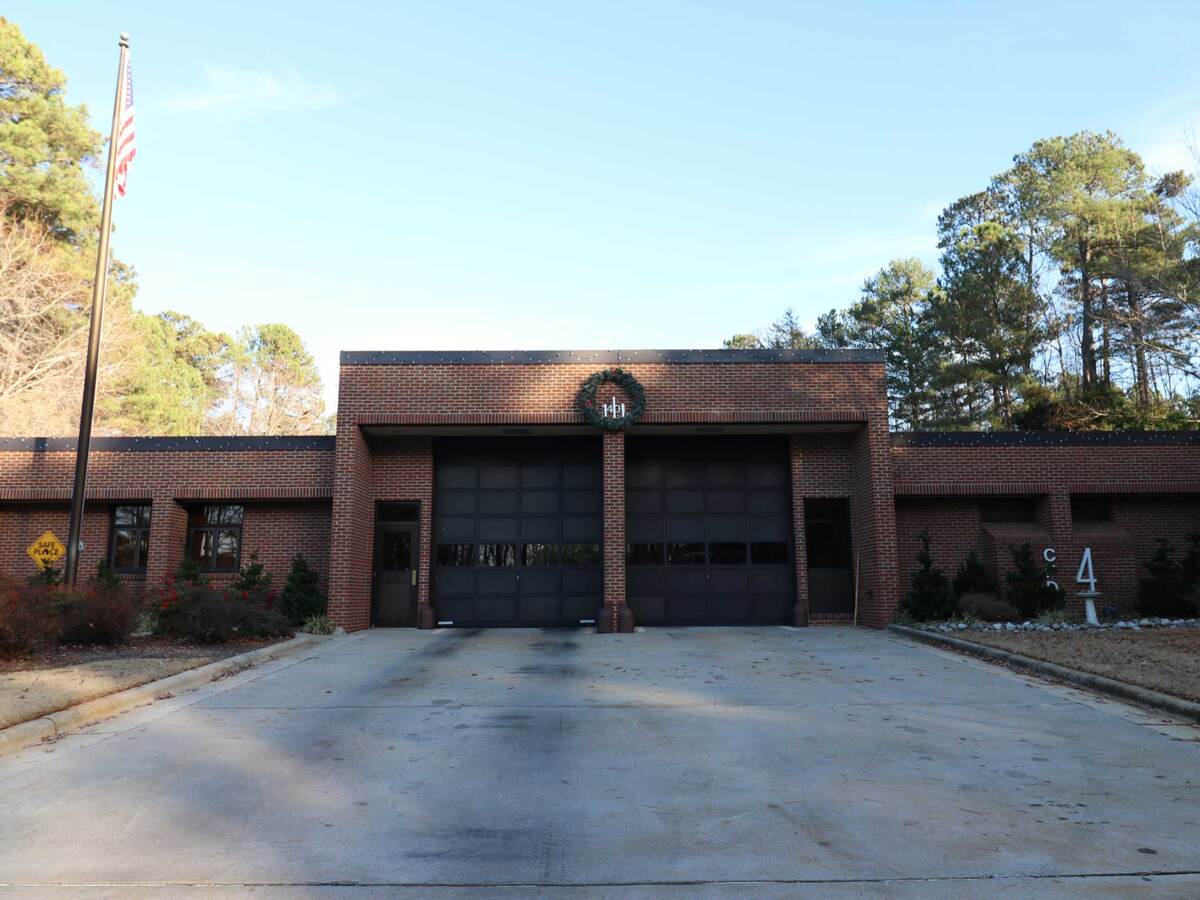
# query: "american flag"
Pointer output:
{"type": "Point", "coordinates": [126, 148]}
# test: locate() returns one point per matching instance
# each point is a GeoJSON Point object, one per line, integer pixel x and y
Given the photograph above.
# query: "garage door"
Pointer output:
{"type": "Point", "coordinates": [517, 531]}
{"type": "Point", "coordinates": [709, 531]}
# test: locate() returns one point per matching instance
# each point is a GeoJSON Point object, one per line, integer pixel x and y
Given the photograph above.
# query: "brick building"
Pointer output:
{"type": "Point", "coordinates": [469, 488]}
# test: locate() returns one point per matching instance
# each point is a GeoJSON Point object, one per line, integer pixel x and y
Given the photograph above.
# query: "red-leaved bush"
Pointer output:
{"type": "Point", "coordinates": [27, 617]}
{"type": "Point", "coordinates": [96, 614]}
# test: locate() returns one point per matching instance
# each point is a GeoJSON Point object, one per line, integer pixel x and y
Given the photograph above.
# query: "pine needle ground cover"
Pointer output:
{"type": "Point", "coordinates": [1162, 659]}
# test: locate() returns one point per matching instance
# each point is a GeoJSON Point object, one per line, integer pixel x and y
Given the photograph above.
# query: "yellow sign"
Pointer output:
{"type": "Point", "coordinates": [46, 550]}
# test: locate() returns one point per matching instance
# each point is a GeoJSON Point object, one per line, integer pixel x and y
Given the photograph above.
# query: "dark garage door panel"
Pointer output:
{"type": "Point", "coordinates": [734, 492]}
{"type": "Point", "coordinates": [515, 492]}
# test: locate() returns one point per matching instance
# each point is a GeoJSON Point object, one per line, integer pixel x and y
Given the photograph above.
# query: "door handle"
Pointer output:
{"type": "Point", "coordinates": [414, 577]}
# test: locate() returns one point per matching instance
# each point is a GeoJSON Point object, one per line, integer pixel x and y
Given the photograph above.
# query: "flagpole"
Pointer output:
{"type": "Point", "coordinates": [99, 289]}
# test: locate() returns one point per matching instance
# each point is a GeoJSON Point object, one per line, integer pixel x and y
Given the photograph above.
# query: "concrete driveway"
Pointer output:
{"type": "Point", "coordinates": [749, 762]}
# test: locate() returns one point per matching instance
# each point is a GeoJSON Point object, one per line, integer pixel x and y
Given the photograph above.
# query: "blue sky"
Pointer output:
{"type": "Point", "coordinates": [582, 175]}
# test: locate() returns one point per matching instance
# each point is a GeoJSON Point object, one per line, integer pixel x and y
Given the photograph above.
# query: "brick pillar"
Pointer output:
{"type": "Point", "coordinates": [873, 523]}
{"type": "Point", "coordinates": [168, 537]}
{"type": "Point", "coordinates": [614, 616]}
{"type": "Point", "coordinates": [799, 543]}
{"type": "Point", "coordinates": [351, 535]}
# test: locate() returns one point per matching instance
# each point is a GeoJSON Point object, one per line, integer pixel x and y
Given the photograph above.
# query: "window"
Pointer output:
{"type": "Point", "coordinates": [215, 537]}
{"type": "Point", "coordinates": [581, 554]}
{"type": "Point", "coordinates": [1008, 509]}
{"type": "Point", "coordinates": [397, 512]}
{"type": "Point", "coordinates": [685, 554]}
{"type": "Point", "coordinates": [395, 551]}
{"type": "Point", "coordinates": [1091, 509]}
{"type": "Point", "coordinates": [768, 553]}
{"type": "Point", "coordinates": [539, 555]}
{"type": "Point", "coordinates": [455, 554]}
{"type": "Point", "coordinates": [726, 554]}
{"type": "Point", "coordinates": [644, 554]}
{"type": "Point", "coordinates": [130, 538]}
{"type": "Point", "coordinates": [495, 556]}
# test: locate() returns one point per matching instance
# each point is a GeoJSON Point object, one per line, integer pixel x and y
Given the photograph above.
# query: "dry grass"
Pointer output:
{"type": "Point", "coordinates": [1166, 659]}
{"type": "Point", "coordinates": [60, 677]}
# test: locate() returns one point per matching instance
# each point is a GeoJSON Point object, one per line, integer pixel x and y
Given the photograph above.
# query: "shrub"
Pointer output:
{"type": "Point", "coordinates": [96, 614]}
{"type": "Point", "coordinates": [253, 579]}
{"type": "Point", "coordinates": [26, 617]}
{"type": "Point", "coordinates": [1027, 588]}
{"type": "Point", "coordinates": [973, 577]}
{"type": "Point", "coordinates": [47, 576]}
{"type": "Point", "coordinates": [189, 572]}
{"type": "Point", "coordinates": [1169, 588]}
{"type": "Point", "coordinates": [211, 616]}
{"type": "Point", "coordinates": [986, 606]}
{"type": "Point", "coordinates": [106, 578]}
{"type": "Point", "coordinates": [930, 596]}
{"type": "Point", "coordinates": [318, 625]}
{"type": "Point", "coordinates": [302, 599]}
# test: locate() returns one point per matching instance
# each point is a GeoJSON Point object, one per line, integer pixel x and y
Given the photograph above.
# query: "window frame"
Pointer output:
{"type": "Point", "coordinates": [215, 528]}
{"type": "Point", "coordinates": [141, 530]}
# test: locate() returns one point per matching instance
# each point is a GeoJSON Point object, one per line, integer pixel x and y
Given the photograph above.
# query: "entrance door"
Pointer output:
{"type": "Point", "coordinates": [829, 551]}
{"type": "Point", "coordinates": [395, 574]}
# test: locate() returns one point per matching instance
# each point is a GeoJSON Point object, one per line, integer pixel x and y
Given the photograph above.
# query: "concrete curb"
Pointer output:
{"type": "Point", "coordinates": [1176, 706]}
{"type": "Point", "coordinates": [52, 725]}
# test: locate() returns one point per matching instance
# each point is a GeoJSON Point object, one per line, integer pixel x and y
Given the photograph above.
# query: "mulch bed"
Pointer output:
{"type": "Point", "coordinates": [151, 647]}
{"type": "Point", "coordinates": [1162, 659]}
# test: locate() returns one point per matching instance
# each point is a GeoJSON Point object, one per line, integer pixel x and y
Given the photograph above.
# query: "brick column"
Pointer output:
{"type": "Point", "coordinates": [168, 537]}
{"type": "Point", "coordinates": [614, 616]}
{"type": "Point", "coordinates": [351, 533]}
{"type": "Point", "coordinates": [799, 543]}
{"type": "Point", "coordinates": [873, 523]}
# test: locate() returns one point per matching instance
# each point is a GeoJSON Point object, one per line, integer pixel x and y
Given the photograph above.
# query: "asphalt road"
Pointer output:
{"type": "Point", "coordinates": [740, 762]}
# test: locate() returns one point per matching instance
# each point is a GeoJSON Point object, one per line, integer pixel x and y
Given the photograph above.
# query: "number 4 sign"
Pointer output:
{"type": "Point", "coordinates": [1086, 574]}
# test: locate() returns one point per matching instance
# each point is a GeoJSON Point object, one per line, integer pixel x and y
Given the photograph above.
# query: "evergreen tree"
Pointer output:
{"type": "Point", "coordinates": [302, 597]}
{"type": "Point", "coordinates": [1027, 587]}
{"type": "Point", "coordinates": [929, 597]}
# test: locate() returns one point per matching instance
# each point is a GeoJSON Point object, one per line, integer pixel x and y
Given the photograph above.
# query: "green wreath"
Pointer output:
{"type": "Point", "coordinates": [593, 408]}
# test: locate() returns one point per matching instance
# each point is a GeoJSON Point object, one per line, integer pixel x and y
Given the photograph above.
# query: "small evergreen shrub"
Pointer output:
{"type": "Point", "coordinates": [253, 579]}
{"type": "Point", "coordinates": [1170, 588]}
{"type": "Point", "coordinates": [1026, 587]}
{"type": "Point", "coordinates": [302, 599]}
{"type": "Point", "coordinates": [973, 576]}
{"type": "Point", "coordinates": [106, 578]}
{"type": "Point", "coordinates": [930, 596]}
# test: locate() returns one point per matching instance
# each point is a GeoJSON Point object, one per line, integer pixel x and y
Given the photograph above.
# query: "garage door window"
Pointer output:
{"type": "Point", "coordinates": [727, 554]}
{"type": "Point", "coordinates": [685, 554]}
{"type": "Point", "coordinates": [497, 555]}
{"type": "Point", "coordinates": [768, 553]}
{"type": "Point", "coordinates": [581, 554]}
{"type": "Point", "coordinates": [644, 554]}
{"type": "Point", "coordinates": [455, 555]}
{"type": "Point", "coordinates": [539, 554]}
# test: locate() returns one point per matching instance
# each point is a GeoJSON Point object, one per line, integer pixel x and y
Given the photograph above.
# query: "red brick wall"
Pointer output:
{"type": "Point", "coordinates": [277, 531]}
{"type": "Point", "coordinates": [675, 392]}
{"type": "Point", "coordinates": [1154, 491]}
{"type": "Point", "coordinates": [613, 468]}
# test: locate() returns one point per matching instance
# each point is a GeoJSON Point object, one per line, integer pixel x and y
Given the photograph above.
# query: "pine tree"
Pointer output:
{"type": "Point", "coordinates": [302, 597]}
{"type": "Point", "coordinates": [930, 596]}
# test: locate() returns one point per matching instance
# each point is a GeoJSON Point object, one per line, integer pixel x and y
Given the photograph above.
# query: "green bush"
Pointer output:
{"type": "Point", "coordinates": [98, 613]}
{"type": "Point", "coordinates": [213, 616]}
{"type": "Point", "coordinates": [986, 606]}
{"type": "Point", "coordinates": [302, 598]}
{"type": "Point", "coordinates": [973, 576]}
{"type": "Point", "coordinates": [1172, 587]}
{"type": "Point", "coordinates": [930, 596]}
{"type": "Point", "coordinates": [1026, 587]}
